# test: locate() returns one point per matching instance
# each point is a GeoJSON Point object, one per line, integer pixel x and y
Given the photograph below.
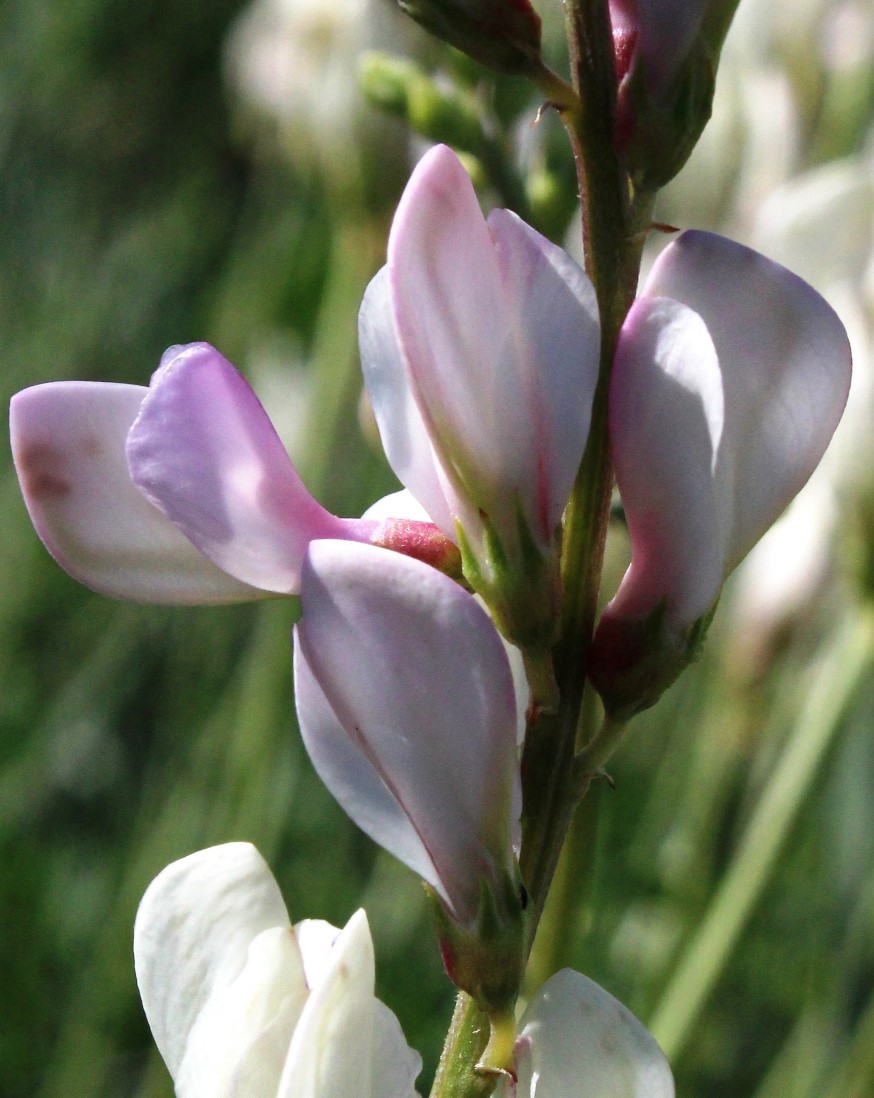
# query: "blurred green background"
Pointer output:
{"type": "Point", "coordinates": [173, 172]}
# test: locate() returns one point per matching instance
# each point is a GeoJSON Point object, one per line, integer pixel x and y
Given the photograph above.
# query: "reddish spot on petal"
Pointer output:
{"type": "Point", "coordinates": [91, 445]}
{"type": "Point", "coordinates": [42, 470]}
{"type": "Point", "coordinates": [624, 42]}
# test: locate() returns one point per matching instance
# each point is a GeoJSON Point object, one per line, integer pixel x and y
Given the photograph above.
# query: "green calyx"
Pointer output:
{"type": "Point", "coordinates": [487, 960]}
{"type": "Point", "coordinates": [634, 660]}
{"type": "Point", "coordinates": [663, 132]}
{"type": "Point", "coordinates": [657, 132]}
{"type": "Point", "coordinates": [504, 35]}
{"type": "Point", "coordinates": [520, 584]}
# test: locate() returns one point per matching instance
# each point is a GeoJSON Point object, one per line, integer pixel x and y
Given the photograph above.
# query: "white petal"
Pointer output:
{"type": "Point", "coordinates": [401, 504]}
{"type": "Point", "coordinates": [316, 938]}
{"type": "Point", "coordinates": [331, 1051]}
{"type": "Point", "coordinates": [240, 1041]}
{"type": "Point", "coordinates": [407, 709]}
{"type": "Point", "coordinates": [666, 426]}
{"type": "Point", "coordinates": [403, 433]}
{"type": "Point", "coordinates": [68, 441]}
{"type": "Point", "coordinates": [785, 362]}
{"type": "Point", "coordinates": [395, 1065]}
{"type": "Point", "coordinates": [192, 935]}
{"type": "Point", "coordinates": [576, 1039]}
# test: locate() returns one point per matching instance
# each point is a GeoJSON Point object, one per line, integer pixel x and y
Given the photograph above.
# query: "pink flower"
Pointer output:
{"type": "Point", "coordinates": [179, 493]}
{"type": "Point", "coordinates": [480, 348]}
{"type": "Point", "coordinates": [730, 378]}
{"type": "Point", "coordinates": [479, 344]}
{"type": "Point", "coordinates": [407, 708]}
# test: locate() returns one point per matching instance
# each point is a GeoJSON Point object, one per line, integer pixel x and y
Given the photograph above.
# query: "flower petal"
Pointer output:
{"type": "Point", "coordinates": [406, 706]}
{"type": "Point", "coordinates": [403, 433]}
{"type": "Point", "coordinates": [555, 304]}
{"type": "Point", "coordinates": [394, 1065]}
{"type": "Point", "coordinates": [240, 1040]}
{"type": "Point", "coordinates": [192, 936]}
{"type": "Point", "coordinates": [399, 505]}
{"type": "Point", "coordinates": [204, 451]}
{"type": "Point", "coordinates": [331, 1051]}
{"type": "Point", "coordinates": [485, 317]}
{"type": "Point", "coordinates": [574, 1030]}
{"type": "Point", "coordinates": [782, 361]}
{"type": "Point", "coordinates": [666, 425]}
{"type": "Point", "coordinates": [68, 441]}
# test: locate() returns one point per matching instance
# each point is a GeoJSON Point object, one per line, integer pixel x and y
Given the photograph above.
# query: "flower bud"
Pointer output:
{"type": "Point", "coordinates": [667, 54]}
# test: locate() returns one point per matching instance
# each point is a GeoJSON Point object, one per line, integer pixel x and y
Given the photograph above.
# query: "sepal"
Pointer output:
{"type": "Point", "coordinates": [636, 659]}
{"type": "Point", "coordinates": [520, 583]}
{"type": "Point", "coordinates": [486, 959]}
{"type": "Point", "coordinates": [503, 35]}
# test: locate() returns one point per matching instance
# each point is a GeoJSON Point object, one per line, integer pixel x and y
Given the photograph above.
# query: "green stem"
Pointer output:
{"type": "Point", "coordinates": [612, 244]}
{"type": "Point", "coordinates": [466, 1041]}
{"type": "Point", "coordinates": [834, 683]}
{"type": "Point", "coordinates": [612, 248]}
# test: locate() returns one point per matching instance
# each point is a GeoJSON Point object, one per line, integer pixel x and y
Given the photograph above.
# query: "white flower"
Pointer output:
{"type": "Point", "coordinates": [243, 1004]}
{"type": "Point", "coordinates": [577, 1041]}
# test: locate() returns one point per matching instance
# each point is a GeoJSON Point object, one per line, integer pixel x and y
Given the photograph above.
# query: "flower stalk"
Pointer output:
{"type": "Point", "coordinates": [613, 243]}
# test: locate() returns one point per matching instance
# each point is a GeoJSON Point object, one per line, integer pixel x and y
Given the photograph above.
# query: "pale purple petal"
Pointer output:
{"type": "Point", "coordinates": [556, 309]}
{"type": "Point", "coordinates": [403, 433]}
{"type": "Point", "coordinates": [666, 425]}
{"type": "Point", "coordinates": [722, 404]}
{"type": "Point", "coordinates": [68, 442]}
{"type": "Point", "coordinates": [485, 315]}
{"type": "Point", "coordinates": [204, 451]}
{"type": "Point", "coordinates": [450, 315]}
{"type": "Point", "coordinates": [406, 706]}
{"type": "Point", "coordinates": [192, 936]}
{"type": "Point", "coordinates": [574, 1030]}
